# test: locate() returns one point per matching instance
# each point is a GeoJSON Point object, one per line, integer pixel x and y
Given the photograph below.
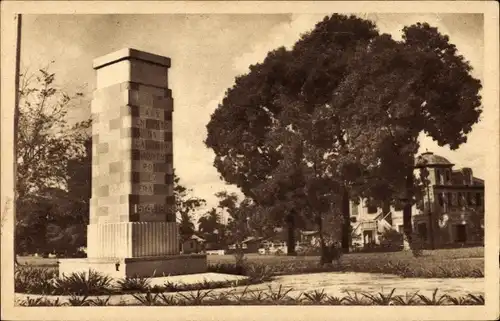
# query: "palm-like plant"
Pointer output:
{"type": "Point", "coordinates": [381, 298]}
{"type": "Point", "coordinates": [434, 300]}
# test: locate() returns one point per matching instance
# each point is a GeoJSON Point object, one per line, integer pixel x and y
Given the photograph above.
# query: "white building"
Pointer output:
{"type": "Point", "coordinates": [452, 207]}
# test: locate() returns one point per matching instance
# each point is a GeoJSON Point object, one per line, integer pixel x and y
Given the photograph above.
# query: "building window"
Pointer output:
{"type": "Point", "coordinates": [422, 231]}
{"type": "Point", "coordinates": [459, 199]}
{"type": "Point", "coordinates": [371, 208]}
{"type": "Point", "coordinates": [400, 229]}
{"type": "Point", "coordinates": [441, 199]}
{"type": "Point", "coordinates": [479, 200]}
{"type": "Point", "coordinates": [469, 199]}
{"type": "Point", "coordinates": [460, 233]}
{"type": "Point", "coordinates": [438, 177]}
{"type": "Point", "coordinates": [450, 199]}
{"type": "Point", "coordinates": [354, 209]}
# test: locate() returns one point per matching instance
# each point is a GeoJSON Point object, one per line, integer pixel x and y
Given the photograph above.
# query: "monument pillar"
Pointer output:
{"type": "Point", "coordinates": [132, 227]}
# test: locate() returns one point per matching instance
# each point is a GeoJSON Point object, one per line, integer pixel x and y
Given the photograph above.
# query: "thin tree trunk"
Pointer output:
{"type": "Point", "coordinates": [291, 234]}
{"type": "Point", "coordinates": [325, 253]}
{"type": "Point", "coordinates": [346, 222]}
{"type": "Point", "coordinates": [407, 224]}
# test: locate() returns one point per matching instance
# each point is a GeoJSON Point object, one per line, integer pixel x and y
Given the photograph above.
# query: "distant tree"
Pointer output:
{"type": "Point", "coordinates": [46, 145]}
{"type": "Point", "coordinates": [186, 206]}
{"type": "Point", "coordinates": [240, 212]}
{"type": "Point", "coordinates": [186, 226]}
{"type": "Point", "coordinates": [211, 227]}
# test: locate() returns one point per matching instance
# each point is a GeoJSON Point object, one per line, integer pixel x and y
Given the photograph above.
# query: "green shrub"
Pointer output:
{"type": "Point", "coordinates": [134, 284]}
{"type": "Point", "coordinates": [34, 302]}
{"type": "Point", "coordinates": [148, 299]}
{"type": "Point", "coordinates": [81, 283]}
{"type": "Point", "coordinates": [273, 296]}
{"type": "Point", "coordinates": [76, 300]}
{"type": "Point", "coordinates": [34, 280]}
{"type": "Point", "coordinates": [226, 268]}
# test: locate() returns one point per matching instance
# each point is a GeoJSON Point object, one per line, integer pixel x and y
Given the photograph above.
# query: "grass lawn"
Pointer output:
{"type": "Point", "coordinates": [475, 253]}
{"type": "Point", "coordinates": [461, 262]}
{"type": "Point", "coordinates": [443, 263]}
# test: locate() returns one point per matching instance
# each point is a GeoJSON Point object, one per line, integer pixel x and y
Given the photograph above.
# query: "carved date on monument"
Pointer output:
{"type": "Point", "coordinates": [150, 208]}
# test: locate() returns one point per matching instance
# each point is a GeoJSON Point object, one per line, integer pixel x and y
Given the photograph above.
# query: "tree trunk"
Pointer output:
{"type": "Point", "coordinates": [346, 221]}
{"type": "Point", "coordinates": [291, 234]}
{"type": "Point", "coordinates": [325, 258]}
{"type": "Point", "coordinates": [407, 224]}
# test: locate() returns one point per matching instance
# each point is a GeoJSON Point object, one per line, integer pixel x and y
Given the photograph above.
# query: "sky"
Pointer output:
{"type": "Point", "coordinates": [207, 53]}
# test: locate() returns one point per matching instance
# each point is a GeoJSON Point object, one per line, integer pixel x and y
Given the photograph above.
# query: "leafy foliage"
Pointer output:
{"type": "Point", "coordinates": [50, 212]}
{"type": "Point", "coordinates": [46, 143]}
{"type": "Point", "coordinates": [338, 117]}
{"type": "Point", "coordinates": [34, 280]}
{"type": "Point", "coordinates": [270, 296]}
{"type": "Point", "coordinates": [211, 227]}
{"type": "Point", "coordinates": [134, 284]}
{"type": "Point", "coordinates": [84, 283]}
{"type": "Point", "coordinates": [186, 205]}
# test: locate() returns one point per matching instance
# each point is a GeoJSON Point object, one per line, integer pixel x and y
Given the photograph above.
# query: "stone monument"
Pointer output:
{"type": "Point", "coordinates": [132, 229]}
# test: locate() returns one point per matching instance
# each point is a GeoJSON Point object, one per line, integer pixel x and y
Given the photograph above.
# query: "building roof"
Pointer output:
{"type": "Point", "coordinates": [306, 233]}
{"type": "Point", "coordinates": [478, 181]}
{"type": "Point", "coordinates": [252, 239]}
{"type": "Point", "coordinates": [431, 159]}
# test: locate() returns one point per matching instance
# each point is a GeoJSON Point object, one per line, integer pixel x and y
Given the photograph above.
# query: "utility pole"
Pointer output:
{"type": "Point", "coordinates": [18, 19]}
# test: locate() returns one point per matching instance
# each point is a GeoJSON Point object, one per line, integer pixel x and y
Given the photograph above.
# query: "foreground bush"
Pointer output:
{"type": "Point", "coordinates": [273, 296]}
{"type": "Point", "coordinates": [34, 280]}
{"type": "Point", "coordinates": [46, 282]}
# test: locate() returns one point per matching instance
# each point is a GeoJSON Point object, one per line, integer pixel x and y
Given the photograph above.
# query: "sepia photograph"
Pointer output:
{"type": "Point", "coordinates": [250, 155]}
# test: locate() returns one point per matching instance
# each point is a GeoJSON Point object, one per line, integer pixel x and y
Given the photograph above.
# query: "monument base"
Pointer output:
{"type": "Point", "coordinates": [157, 266]}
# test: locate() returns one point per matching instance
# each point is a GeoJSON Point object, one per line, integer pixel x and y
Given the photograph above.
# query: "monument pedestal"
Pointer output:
{"type": "Point", "coordinates": [133, 229]}
{"type": "Point", "coordinates": [154, 266]}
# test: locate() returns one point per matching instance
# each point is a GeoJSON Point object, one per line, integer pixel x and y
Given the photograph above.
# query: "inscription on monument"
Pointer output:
{"type": "Point", "coordinates": [144, 189]}
{"type": "Point", "coordinates": [150, 208]}
{"type": "Point", "coordinates": [149, 166]}
{"type": "Point", "coordinates": [147, 144]}
{"type": "Point", "coordinates": [149, 112]}
{"type": "Point", "coordinates": [148, 123]}
{"type": "Point", "coordinates": [149, 155]}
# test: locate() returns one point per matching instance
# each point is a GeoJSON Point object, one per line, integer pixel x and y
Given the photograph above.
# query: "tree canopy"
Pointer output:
{"type": "Point", "coordinates": [53, 168]}
{"type": "Point", "coordinates": [186, 205]}
{"type": "Point", "coordinates": [338, 116]}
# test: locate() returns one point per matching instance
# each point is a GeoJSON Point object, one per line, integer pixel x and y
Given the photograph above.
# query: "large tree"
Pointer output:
{"type": "Point", "coordinates": [420, 85]}
{"type": "Point", "coordinates": [346, 104]}
{"type": "Point", "coordinates": [262, 134]}
{"type": "Point", "coordinates": [46, 141]}
{"type": "Point", "coordinates": [46, 146]}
